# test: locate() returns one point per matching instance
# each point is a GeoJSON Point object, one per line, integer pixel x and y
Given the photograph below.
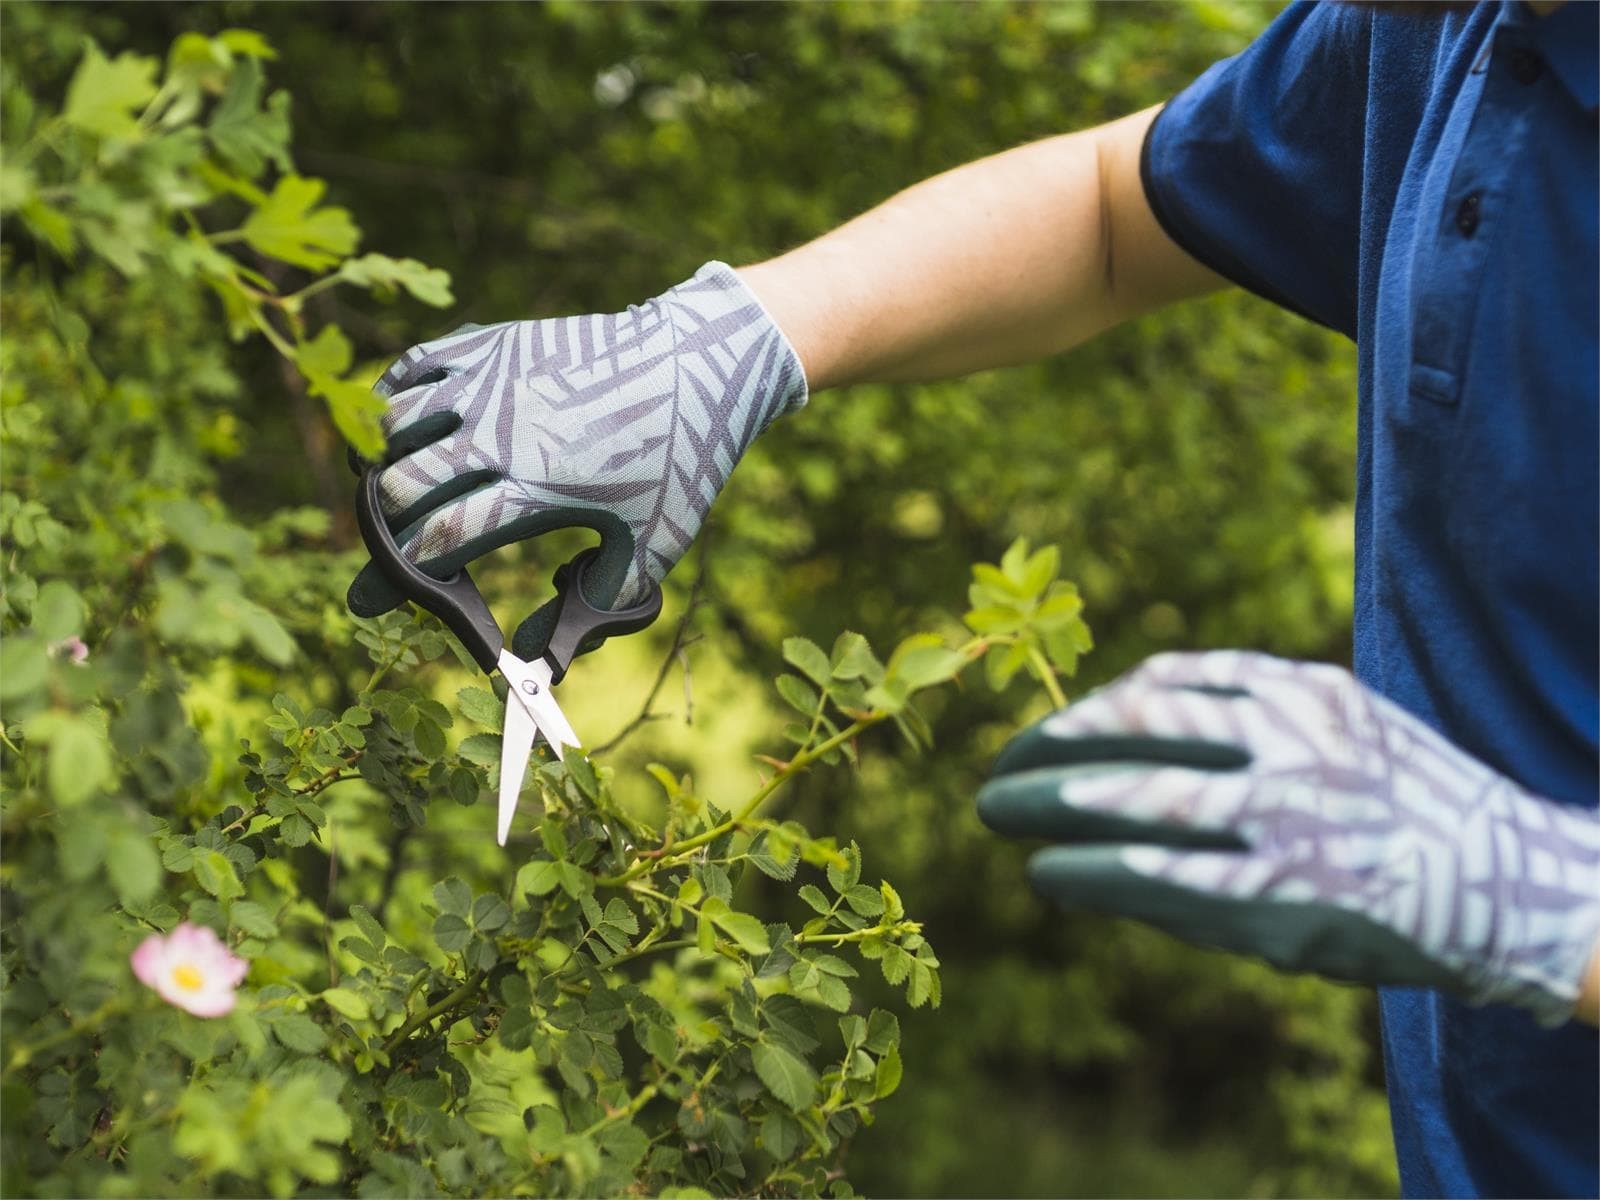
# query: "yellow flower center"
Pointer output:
{"type": "Point", "coordinates": [188, 977]}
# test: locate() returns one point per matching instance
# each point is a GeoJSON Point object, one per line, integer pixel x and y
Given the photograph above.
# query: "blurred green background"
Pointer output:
{"type": "Point", "coordinates": [1195, 469]}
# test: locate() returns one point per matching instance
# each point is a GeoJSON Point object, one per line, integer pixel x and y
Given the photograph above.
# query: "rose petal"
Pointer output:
{"type": "Point", "coordinates": [148, 959]}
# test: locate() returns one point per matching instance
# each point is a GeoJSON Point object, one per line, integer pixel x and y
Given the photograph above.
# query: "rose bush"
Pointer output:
{"type": "Point", "coordinates": [256, 935]}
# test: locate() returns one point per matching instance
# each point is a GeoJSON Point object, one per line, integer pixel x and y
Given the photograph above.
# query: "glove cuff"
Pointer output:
{"type": "Point", "coordinates": [1550, 921]}
{"type": "Point", "coordinates": [763, 377]}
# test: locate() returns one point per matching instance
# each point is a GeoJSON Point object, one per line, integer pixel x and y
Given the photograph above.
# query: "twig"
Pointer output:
{"type": "Point", "coordinates": [462, 993]}
{"type": "Point", "coordinates": [681, 641]}
{"type": "Point", "coordinates": [645, 865]}
{"type": "Point", "coordinates": [327, 906]}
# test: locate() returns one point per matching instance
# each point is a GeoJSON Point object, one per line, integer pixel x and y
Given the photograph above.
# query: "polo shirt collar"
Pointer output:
{"type": "Point", "coordinates": [1569, 41]}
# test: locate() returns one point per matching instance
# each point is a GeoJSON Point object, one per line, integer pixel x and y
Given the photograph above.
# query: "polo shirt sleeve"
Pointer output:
{"type": "Point", "coordinates": [1255, 169]}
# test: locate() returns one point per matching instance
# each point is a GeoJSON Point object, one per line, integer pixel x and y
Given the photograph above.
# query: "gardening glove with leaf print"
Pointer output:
{"type": "Point", "coordinates": [1284, 810]}
{"type": "Point", "coordinates": [627, 424]}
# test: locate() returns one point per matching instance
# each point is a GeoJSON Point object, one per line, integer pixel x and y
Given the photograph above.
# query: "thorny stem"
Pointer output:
{"type": "Point", "coordinates": [1047, 676]}
{"type": "Point", "coordinates": [858, 935]}
{"type": "Point", "coordinates": [379, 671]}
{"type": "Point", "coordinates": [23, 1054]}
{"type": "Point", "coordinates": [464, 992]}
{"type": "Point", "coordinates": [318, 785]}
{"type": "Point", "coordinates": [651, 948]}
{"type": "Point", "coordinates": [792, 768]}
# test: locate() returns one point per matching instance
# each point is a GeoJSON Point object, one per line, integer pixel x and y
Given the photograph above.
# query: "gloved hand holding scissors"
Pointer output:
{"type": "Point", "coordinates": [627, 423]}
{"type": "Point", "coordinates": [1284, 810]}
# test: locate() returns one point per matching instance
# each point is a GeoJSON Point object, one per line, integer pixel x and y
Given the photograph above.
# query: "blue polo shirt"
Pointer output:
{"type": "Point", "coordinates": [1425, 183]}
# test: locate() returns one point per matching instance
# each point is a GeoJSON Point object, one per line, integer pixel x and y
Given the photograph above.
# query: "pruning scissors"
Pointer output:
{"type": "Point", "coordinates": [531, 708]}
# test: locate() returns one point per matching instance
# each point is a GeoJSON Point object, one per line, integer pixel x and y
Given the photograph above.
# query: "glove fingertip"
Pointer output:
{"type": "Point", "coordinates": [532, 637]}
{"type": "Point", "coordinates": [371, 595]}
{"type": "Point", "coordinates": [1091, 877]}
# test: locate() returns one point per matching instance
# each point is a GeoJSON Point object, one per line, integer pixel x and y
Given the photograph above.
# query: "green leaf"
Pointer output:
{"type": "Point", "coordinates": [347, 1003]}
{"type": "Point", "coordinates": [747, 931]}
{"type": "Point", "coordinates": [17, 186]}
{"type": "Point", "coordinates": [489, 913]}
{"type": "Point", "coordinates": [786, 1075]}
{"type": "Point", "coordinates": [57, 612]}
{"type": "Point", "coordinates": [178, 856]}
{"type": "Point", "coordinates": [994, 618]}
{"type": "Point", "coordinates": [27, 666]}
{"type": "Point", "coordinates": [923, 660]}
{"type": "Point", "coordinates": [809, 658]}
{"type": "Point", "coordinates": [247, 135]}
{"type": "Point", "coordinates": [539, 878]}
{"type": "Point", "coordinates": [892, 903]}
{"type": "Point", "coordinates": [845, 875]}
{"type": "Point", "coordinates": [252, 918]}
{"type": "Point", "coordinates": [383, 274]}
{"type": "Point", "coordinates": [105, 96]}
{"type": "Point", "coordinates": [355, 411]}
{"type": "Point", "coordinates": [215, 873]}
{"type": "Point", "coordinates": [883, 1031]}
{"type": "Point", "coordinates": [296, 830]}
{"type": "Point", "coordinates": [247, 42]}
{"type": "Point", "coordinates": [895, 964]}
{"type": "Point", "coordinates": [299, 1033]}
{"type": "Point", "coordinates": [887, 1077]}
{"type": "Point", "coordinates": [484, 707]}
{"type": "Point", "coordinates": [482, 749]}
{"type": "Point", "coordinates": [1039, 569]}
{"type": "Point", "coordinates": [134, 867]}
{"type": "Point", "coordinates": [780, 1135]}
{"type": "Point", "coordinates": [451, 932]}
{"type": "Point", "coordinates": [1063, 646]}
{"type": "Point", "coordinates": [582, 772]}
{"type": "Point", "coordinates": [369, 925]}
{"type": "Point", "coordinates": [1002, 663]}
{"type": "Point", "coordinates": [288, 225]}
{"type": "Point", "coordinates": [813, 896]}
{"type": "Point", "coordinates": [863, 900]}
{"type": "Point", "coordinates": [80, 760]}
{"type": "Point", "coordinates": [705, 935]}
{"type": "Point", "coordinates": [465, 786]}
{"type": "Point", "coordinates": [621, 916]}
{"type": "Point", "coordinates": [453, 896]}
{"type": "Point", "coordinates": [264, 632]}
{"type": "Point", "coordinates": [329, 353]}
{"type": "Point", "coordinates": [853, 659]}
{"type": "Point", "coordinates": [797, 694]}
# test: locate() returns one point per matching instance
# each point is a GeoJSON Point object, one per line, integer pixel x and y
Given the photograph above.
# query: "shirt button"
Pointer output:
{"type": "Point", "coordinates": [1526, 66]}
{"type": "Point", "coordinates": [1467, 215]}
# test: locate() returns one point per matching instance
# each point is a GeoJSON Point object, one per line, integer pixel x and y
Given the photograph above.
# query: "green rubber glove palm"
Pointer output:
{"type": "Point", "coordinates": [1282, 809]}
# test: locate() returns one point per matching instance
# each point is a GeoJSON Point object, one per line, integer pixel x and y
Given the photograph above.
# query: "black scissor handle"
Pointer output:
{"type": "Point", "coordinates": [455, 601]}
{"type": "Point", "coordinates": [578, 621]}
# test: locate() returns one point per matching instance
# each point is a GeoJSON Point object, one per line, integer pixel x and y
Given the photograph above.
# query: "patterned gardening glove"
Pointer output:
{"type": "Point", "coordinates": [628, 424]}
{"type": "Point", "coordinates": [1282, 809]}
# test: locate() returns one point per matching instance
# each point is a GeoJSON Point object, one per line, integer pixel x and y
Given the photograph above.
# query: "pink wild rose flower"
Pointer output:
{"type": "Point", "coordinates": [191, 968]}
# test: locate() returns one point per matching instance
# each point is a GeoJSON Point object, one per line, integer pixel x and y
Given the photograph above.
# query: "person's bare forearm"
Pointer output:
{"type": "Point", "coordinates": [1001, 261]}
{"type": "Point", "coordinates": [1588, 1007]}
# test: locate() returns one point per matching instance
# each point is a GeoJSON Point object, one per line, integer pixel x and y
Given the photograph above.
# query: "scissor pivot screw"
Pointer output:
{"type": "Point", "coordinates": [530, 687]}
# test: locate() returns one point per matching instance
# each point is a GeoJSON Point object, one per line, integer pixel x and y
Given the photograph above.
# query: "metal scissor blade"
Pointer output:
{"type": "Point", "coordinates": [516, 745]}
{"type": "Point", "coordinates": [530, 709]}
{"type": "Point", "coordinates": [530, 681]}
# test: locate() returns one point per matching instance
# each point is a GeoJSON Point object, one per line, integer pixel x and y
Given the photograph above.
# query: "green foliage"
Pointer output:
{"type": "Point", "coordinates": [154, 178]}
{"type": "Point", "coordinates": [613, 1020]}
{"type": "Point", "coordinates": [173, 496]}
